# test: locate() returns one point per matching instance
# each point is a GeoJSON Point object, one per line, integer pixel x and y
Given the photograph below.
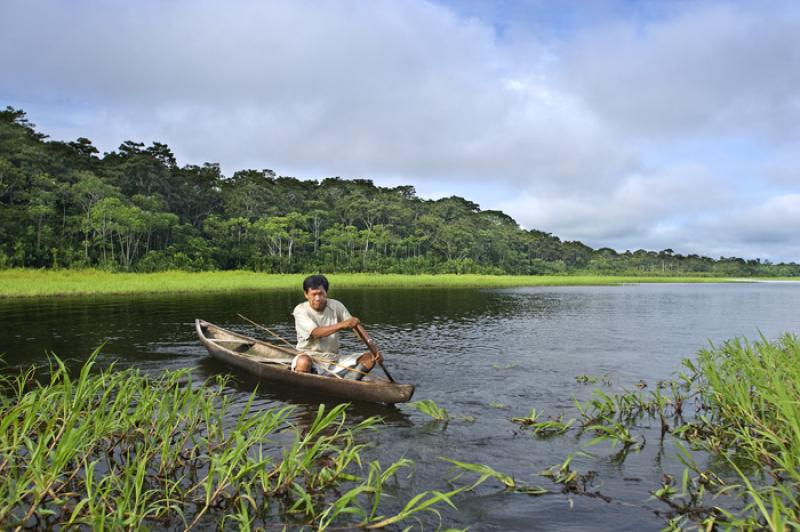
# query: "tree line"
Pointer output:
{"type": "Point", "coordinates": [63, 205]}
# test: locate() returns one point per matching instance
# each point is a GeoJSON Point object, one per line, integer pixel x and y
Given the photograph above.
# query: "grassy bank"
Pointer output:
{"type": "Point", "coordinates": [35, 283]}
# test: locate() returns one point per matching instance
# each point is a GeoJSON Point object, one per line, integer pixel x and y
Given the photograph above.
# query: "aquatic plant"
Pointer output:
{"type": "Point", "coordinates": [118, 449]}
{"type": "Point", "coordinates": [429, 407]}
{"type": "Point", "coordinates": [571, 480]}
{"type": "Point", "coordinates": [505, 366]}
{"type": "Point", "coordinates": [485, 472]}
{"type": "Point", "coordinates": [746, 416]}
{"type": "Point", "coordinates": [593, 379]}
{"type": "Point", "coordinates": [746, 399]}
{"type": "Point", "coordinates": [548, 427]}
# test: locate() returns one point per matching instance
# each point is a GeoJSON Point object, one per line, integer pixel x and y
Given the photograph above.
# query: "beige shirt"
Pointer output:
{"type": "Point", "coordinates": [306, 319]}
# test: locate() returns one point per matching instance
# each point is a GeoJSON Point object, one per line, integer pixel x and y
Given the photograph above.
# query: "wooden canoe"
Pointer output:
{"type": "Point", "coordinates": [272, 363]}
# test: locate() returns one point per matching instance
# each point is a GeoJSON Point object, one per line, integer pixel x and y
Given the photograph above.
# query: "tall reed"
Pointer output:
{"type": "Point", "coordinates": [121, 450]}
{"type": "Point", "coordinates": [750, 396]}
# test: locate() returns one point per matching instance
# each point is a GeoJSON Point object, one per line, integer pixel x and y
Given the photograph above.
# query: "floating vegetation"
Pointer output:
{"type": "Point", "coordinates": [570, 479]}
{"type": "Point", "coordinates": [746, 415]}
{"type": "Point", "coordinates": [548, 427]}
{"type": "Point", "coordinates": [429, 407]}
{"type": "Point", "coordinates": [505, 366]}
{"type": "Point", "coordinates": [616, 434]}
{"type": "Point", "coordinates": [119, 450]}
{"type": "Point", "coordinates": [485, 472]}
{"type": "Point", "coordinates": [592, 379]}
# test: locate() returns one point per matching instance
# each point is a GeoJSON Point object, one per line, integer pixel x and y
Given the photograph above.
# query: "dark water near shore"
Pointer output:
{"type": "Point", "coordinates": [484, 355]}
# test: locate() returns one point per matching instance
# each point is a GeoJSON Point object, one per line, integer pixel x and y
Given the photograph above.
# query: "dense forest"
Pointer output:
{"type": "Point", "coordinates": [62, 205]}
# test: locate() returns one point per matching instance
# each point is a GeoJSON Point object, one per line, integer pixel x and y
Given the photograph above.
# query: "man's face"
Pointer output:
{"type": "Point", "coordinates": [317, 298]}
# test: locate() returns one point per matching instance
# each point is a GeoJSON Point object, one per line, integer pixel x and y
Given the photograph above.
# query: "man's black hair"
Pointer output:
{"type": "Point", "coordinates": [315, 281]}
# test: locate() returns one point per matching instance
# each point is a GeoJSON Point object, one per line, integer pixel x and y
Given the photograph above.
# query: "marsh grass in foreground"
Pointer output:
{"type": "Point", "coordinates": [749, 399]}
{"type": "Point", "coordinates": [37, 283]}
{"type": "Point", "coordinates": [119, 450]}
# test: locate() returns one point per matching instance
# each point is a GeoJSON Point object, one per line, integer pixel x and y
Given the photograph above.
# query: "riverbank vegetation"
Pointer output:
{"type": "Point", "coordinates": [62, 205]}
{"type": "Point", "coordinates": [119, 450]}
{"type": "Point", "coordinates": [34, 283]}
{"type": "Point", "coordinates": [734, 419]}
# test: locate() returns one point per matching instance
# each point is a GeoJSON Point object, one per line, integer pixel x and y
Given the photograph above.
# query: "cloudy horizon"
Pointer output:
{"type": "Point", "coordinates": [622, 124]}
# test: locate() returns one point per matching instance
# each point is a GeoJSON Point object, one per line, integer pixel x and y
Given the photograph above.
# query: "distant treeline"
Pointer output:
{"type": "Point", "coordinates": [62, 205]}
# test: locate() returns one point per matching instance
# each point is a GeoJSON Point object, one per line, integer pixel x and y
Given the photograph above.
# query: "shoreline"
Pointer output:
{"type": "Point", "coordinates": [27, 283]}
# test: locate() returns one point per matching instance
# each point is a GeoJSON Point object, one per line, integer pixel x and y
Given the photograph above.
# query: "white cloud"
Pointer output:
{"type": "Point", "coordinates": [688, 220]}
{"type": "Point", "coordinates": [358, 88]}
{"type": "Point", "coordinates": [637, 208]}
{"type": "Point", "coordinates": [764, 229]}
{"type": "Point", "coordinates": [623, 130]}
{"type": "Point", "coordinates": [774, 221]}
{"type": "Point", "coordinates": [717, 68]}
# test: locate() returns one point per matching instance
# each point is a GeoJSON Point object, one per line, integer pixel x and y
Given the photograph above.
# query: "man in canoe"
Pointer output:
{"type": "Point", "coordinates": [318, 321]}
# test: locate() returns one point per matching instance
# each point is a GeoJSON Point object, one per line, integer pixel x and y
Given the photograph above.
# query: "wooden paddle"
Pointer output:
{"type": "Point", "coordinates": [362, 333]}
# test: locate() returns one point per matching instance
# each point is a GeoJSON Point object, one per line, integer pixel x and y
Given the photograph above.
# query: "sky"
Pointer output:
{"type": "Point", "coordinates": [620, 123]}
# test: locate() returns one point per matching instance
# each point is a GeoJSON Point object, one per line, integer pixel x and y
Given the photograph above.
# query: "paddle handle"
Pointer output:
{"type": "Point", "coordinates": [362, 333]}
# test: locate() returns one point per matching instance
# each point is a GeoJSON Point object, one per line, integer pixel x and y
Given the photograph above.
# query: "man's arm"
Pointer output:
{"type": "Point", "coordinates": [322, 332]}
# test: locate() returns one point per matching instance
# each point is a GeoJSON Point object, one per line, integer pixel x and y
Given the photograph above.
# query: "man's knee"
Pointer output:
{"type": "Point", "coordinates": [367, 360]}
{"type": "Point", "coordinates": [302, 364]}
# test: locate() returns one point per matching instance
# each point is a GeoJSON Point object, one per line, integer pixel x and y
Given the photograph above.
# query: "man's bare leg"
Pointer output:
{"type": "Point", "coordinates": [365, 364]}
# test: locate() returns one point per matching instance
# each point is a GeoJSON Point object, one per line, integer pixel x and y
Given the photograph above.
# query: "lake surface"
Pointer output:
{"type": "Point", "coordinates": [484, 355]}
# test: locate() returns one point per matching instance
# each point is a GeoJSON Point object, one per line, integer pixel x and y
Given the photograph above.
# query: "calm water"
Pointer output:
{"type": "Point", "coordinates": [484, 355]}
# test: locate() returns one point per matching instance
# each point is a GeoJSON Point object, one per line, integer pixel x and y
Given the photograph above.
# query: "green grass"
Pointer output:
{"type": "Point", "coordinates": [38, 283]}
{"type": "Point", "coordinates": [751, 394]}
{"type": "Point", "coordinates": [119, 450]}
{"type": "Point", "coordinates": [429, 407]}
{"type": "Point", "coordinates": [739, 406]}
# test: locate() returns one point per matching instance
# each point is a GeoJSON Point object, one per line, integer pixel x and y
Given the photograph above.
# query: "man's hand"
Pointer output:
{"type": "Point", "coordinates": [349, 323]}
